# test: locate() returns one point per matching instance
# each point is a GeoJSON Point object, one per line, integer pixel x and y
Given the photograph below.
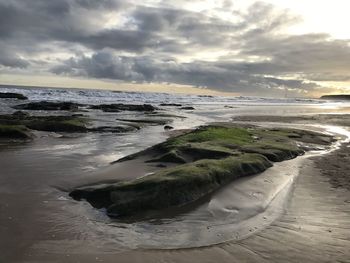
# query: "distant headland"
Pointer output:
{"type": "Point", "coordinates": [336, 97]}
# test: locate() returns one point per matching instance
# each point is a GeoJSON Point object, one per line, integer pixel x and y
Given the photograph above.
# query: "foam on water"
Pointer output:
{"type": "Point", "coordinates": [94, 96]}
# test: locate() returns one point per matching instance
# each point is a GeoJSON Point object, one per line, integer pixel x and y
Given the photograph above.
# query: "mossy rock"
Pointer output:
{"type": "Point", "coordinates": [15, 132]}
{"type": "Point", "coordinates": [200, 162]}
{"type": "Point", "coordinates": [76, 123]}
{"type": "Point", "coordinates": [172, 186]}
{"type": "Point", "coordinates": [46, 123]}
{"type": "Point", "coordinates": [169, 157]}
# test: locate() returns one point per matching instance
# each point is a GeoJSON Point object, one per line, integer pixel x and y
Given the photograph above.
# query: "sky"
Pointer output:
{"type": "Point", "coordinates": [262, 48]}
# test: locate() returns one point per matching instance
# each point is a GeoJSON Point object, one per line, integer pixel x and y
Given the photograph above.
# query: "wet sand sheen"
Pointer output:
{"type": "Point", "coordinates": [314, 229]}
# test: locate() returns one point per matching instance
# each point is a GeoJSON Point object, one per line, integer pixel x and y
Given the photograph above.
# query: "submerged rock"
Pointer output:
{"type": "Point", "coordinates": [10, 95]}
{"type": "Point", "coordinates": [164, 115]}
{"type": "Point", "coordinates": [168, 127]}
{"type": "Point", "coordinates": [201, 161]}
{"type": "Point", "coordinates": [170, 104]}
{"type": "Point", "coordinates": [20, 114]}
{"type": "Point", "coordinates": [123, 107]}
{"type": "Point", "coordinates": [48, 106]}
{"type": "Point", "coordinates": [114, 129]}
{"type": "Point", "coordinates": [150, 121]}
{"type": "Point", "coordinates": [58, 124]}
{"type": "Point", "coordinates": [187, 108]}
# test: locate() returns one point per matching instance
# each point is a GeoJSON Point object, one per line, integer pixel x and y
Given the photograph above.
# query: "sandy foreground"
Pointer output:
{"type": "Point", "coordinates": [315, 227]}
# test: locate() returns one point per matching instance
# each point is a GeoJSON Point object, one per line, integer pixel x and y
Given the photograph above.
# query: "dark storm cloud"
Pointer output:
{"type": "Point", "coordinates": [149, 43]}
{"type": "Point", "coordinates": [200, 73]}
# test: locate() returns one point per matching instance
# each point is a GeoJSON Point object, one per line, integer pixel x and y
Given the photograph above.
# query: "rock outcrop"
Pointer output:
{"type": "Point", "coordinates": [48, 106]}
{"type": "Point", "coordinates": [11, 95]}
{"type": "Point", "coordinates": [197, 164]}
{"type": "Point", "coordinates": [123, 107]}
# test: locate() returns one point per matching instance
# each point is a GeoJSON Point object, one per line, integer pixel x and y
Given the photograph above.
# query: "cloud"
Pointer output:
{"type": "Point", "coordinates": [218, 76]}
{"type": "Point", "coordinates": [245, 51]}
{"type": "Point", "coordinates": [12, 60]}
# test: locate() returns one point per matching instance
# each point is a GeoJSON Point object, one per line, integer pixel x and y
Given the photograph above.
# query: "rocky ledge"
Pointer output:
{"type": "Point", "coordinates": [194, 165]}
{"type": "Point", "coordinates": [72, 106]}
{"type": "Point", "coordinates": [15, 132]}
{"type": "Point", "coordinates": [49, 106]}
{"type": "Point", "coordinates": [123, 107]}
{"type": "Point", "coordinates": [76, 123]}
{"type": "Point", "coordinates": [45, 123]}
{"type": "Point", "coordinates": [10, 95]}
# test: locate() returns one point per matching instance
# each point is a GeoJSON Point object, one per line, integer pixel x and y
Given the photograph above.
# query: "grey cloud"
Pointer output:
{"type": "Point", "coordinates": [12, 60]}
{"type": "Point", "coordinates": [51, 20]}
{"type": "Point", "coordinates": [100, 65]}
{"type": "Point", "coordinates": [105, 64]}
{"type": "Point", "coordinates": [149, 45]}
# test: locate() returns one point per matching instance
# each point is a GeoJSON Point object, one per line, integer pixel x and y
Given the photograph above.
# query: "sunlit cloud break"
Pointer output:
{"type": "Point", "coordinates": [227, 46]}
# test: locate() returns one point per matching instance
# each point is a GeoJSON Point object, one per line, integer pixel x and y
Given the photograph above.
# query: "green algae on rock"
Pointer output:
{"type": "Point", "coordinates": [76, 123]}
{"type": "Point", "coordinates": [15, 132]}
{"type": "Point", "coordinates": [46, 123]}
{"type": "Point", "coordinates": [174, 186]}
{"type": "Point", "coordinates": [201, 162]}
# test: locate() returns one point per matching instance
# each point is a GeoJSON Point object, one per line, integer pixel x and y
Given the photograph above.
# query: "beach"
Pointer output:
{"type": "Point", "coordinates": [305, 220]}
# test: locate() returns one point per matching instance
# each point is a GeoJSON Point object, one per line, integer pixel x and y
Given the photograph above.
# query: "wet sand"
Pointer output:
{"type": "Point", "coordinates": [336, 167]}
{"type": "Point", "coordinates": [314, 228]}
{"type": "Point", "coordinates": [38, 225]}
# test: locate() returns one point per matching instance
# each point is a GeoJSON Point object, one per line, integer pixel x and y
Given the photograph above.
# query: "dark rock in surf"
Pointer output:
{"type": "Point", "coordinates": [187, 108]}
{"type": "Point", "coordinates": [11, 95]}
{"type": "Point", "coordinates": [114, 129]}
{"type": "Point", "coordinates": [123, 107]}
{"type": "Point", "coordinates": [49, 106]}
{"type": "Point", "coordinates": [170, 105]}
